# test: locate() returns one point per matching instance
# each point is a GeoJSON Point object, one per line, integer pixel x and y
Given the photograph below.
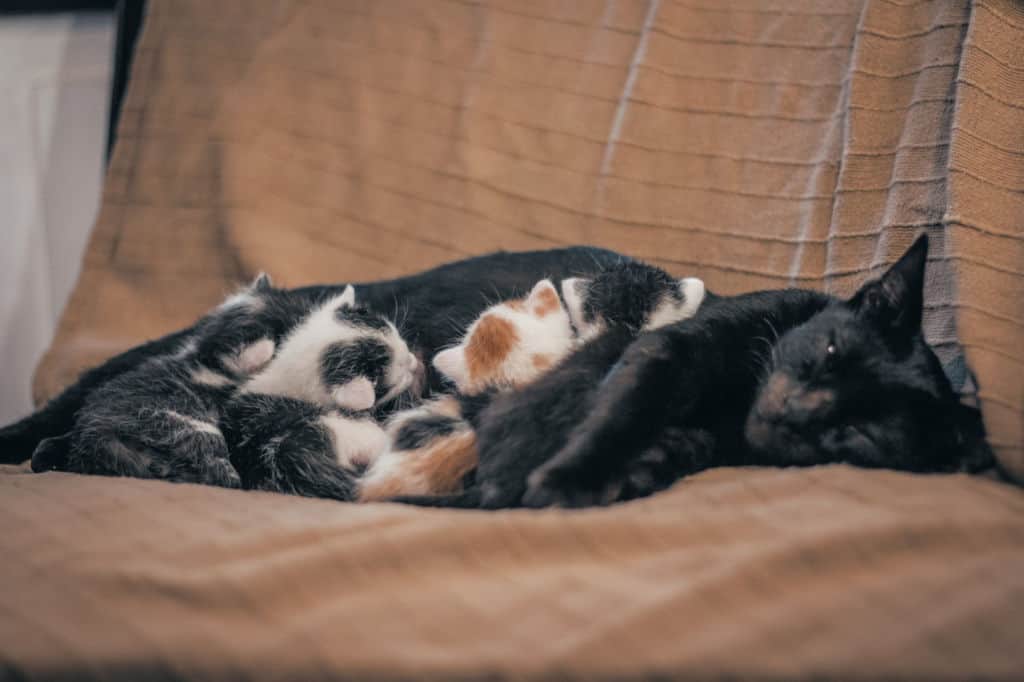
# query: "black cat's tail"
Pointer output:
{"type": "Point", "coordinates": [467, 499]}
{"type": "Point", "coordinates": [19, 440]}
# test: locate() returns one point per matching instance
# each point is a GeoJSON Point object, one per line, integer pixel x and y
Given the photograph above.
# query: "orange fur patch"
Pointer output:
{"type": "Point", "coordinates": [541, 361]}
{"type": "Point", "coordinates": [546, 302]}
{"type": "Point", "coordinates": [491, 342]}
{"type": "Point", "coordinates": [436, 469]}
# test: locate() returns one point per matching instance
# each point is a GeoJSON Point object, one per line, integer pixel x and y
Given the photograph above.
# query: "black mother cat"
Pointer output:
{"type": "Point", "coordinates": [786, 377]}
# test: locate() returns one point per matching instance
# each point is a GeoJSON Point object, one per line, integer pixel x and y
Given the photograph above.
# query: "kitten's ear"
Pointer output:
{"type": "Point", "coordinates": [451, 363]}
{"type": "Point", "coordinates": [693, 292]}
{"type": "Point", "coordinates": [356, 395]}
{"type": "Point", "coordinates": [543, 299]}
{"type": "Point", "coordinates": [896, 300]}
{"type": "Point", "coordinates": [573, 291]}
{"type": "Point", "coordinates": [261, 283]}
{"type": "Point", "coordinates": [348, 297]}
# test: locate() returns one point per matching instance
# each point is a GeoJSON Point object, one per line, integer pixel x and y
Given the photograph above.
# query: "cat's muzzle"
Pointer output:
{"type": "Point", "coordinates": [785, 416]}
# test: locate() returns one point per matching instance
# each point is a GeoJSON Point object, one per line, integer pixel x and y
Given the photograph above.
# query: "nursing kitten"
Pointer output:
{"type": "Point", "coordinates": [164, 419]}
{"type": "Point", "coordinates": [303, 424]}
{"type": "Point", "coordinates": [609, 309]}
{"type": "Point", "coordinates": [433, 446]}
{"type": "Point", "coordinates": [433, 307]}
{"type": "Point", "coordinates": [633, 295]}
{"type": "Point", "coordinates": [769, 378]}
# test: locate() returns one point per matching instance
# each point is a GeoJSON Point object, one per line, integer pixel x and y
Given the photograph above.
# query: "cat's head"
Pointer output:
{"type": "Point", "coordinates": [510, 344]}
{"type": "Point", "coordinates": [631, 294]}
{"type": "Point", "coordinates": [857, 383]}
{"type": "Point", "coordinates": [339, 354]}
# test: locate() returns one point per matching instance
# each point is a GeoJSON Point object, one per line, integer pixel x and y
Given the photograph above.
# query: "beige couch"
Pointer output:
{"type": "Point", "coordinates": [754, 144]}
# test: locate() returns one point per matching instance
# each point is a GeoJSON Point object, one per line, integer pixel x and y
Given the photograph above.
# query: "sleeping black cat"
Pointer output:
{"type": "Point", "coordinates": [782, 378]}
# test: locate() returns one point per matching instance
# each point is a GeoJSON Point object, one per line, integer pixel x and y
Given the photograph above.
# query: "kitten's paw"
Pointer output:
{"type": "Point", "coordinates": [554, 486]}
{"type": "Point", "coordinates": [220, 472]}
{"type": "Point", "coordinates": [357, 395]}
{"type": "Point", "coordinates": [51, 454]}
{"type": "Point", "coordinates": [254, 357]}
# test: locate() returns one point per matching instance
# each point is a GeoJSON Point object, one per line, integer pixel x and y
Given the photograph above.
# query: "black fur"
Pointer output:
{"type": "Point", "coordinates": [417, 433]}
{"type": "Point", "coordinates": [779, 378]}
{"type": "Point", "coordinates": [345, 361]}
{"type": "Point", "coordinates": [626, 294]}
{"type": "Point", "coordinates": [363, 317]}
{"type": "Point", "coordinates": [278, 444]}
{"type": "Point", "coordinates": [432, 308]}
{"type": "Point", "coordinates": [606, 426]}
{"type": "Point", "coordinates": [139, 424]}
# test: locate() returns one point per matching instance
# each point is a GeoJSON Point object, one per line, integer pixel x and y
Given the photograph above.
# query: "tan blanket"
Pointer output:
{"type": "Point", "coordinates": [754, 144]}
{"type": "Point", "coordinates": [827, 573]}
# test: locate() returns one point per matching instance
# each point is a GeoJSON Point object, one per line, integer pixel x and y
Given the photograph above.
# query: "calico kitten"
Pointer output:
{"type": "Point", "coordinates": [433, 306]}
{"type": "Point", "coordinates": [770, 378]}
{"type": "Point", "coordinates": [609, 309]}
{"type": "Point", "coordinates": [433, 446]}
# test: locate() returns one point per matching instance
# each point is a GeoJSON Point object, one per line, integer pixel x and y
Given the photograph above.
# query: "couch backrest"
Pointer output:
{"type": "Point", "coordinates": [754, 144]}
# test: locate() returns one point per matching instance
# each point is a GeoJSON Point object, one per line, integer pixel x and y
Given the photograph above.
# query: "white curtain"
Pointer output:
{"type": "Point", "coordinates": [55, 74]}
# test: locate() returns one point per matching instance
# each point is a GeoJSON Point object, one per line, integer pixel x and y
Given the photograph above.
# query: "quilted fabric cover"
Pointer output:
{"type": "Point", "coordinates": [754, 144]}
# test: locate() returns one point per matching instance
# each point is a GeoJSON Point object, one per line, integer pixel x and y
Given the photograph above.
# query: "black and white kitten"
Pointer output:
{"type": "Point", "coordinates": [164, 419]}
{"type": "Point", "coordinates": [304, 425]}
{"type": "Point", "coordinates": [781, 378]}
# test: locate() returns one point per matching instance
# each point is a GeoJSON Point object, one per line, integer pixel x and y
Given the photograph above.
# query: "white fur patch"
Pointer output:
{"type": "Point", "coordinates": [294, 371]}
{"type": "Point", "coordinates": [543, 336]}
{"type": "Point", "coordinates": [671, 310]}
{"type": "Point", "coordinates": [195, 424]}
{"type": "Point", "coordinates": [356, 395]}
{"type": "Point", "coordinates": [207, 377]}
{"type": "Point", "coordinates": [357, 442]}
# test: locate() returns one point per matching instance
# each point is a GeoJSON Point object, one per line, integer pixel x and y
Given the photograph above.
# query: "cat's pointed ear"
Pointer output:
{"type": "Point", "coordinates": [692, 290]}
{"type": "Point", "coordinates": [348, 297]}
{"type": "Point", "coordinates": [895, 301]}
{"type": "Point", "coordinates": [261, 283]}
{"type": "Point", "coordinates": [451, 363]}
{"type": "Point", "coordinates": [543, 299]}
{"type": "Point", "coordinates": [573, 292]}
{"type": "Point", "coordinates": [356, 395]}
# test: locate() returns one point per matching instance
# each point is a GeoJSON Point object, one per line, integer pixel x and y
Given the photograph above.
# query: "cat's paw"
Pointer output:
{"type": "Point", "coordinates": [221, 472]}
{"type": "Point", "coordinates": [253, 358]}
{"type": "Point", "coordinates": [357, 395]}
{"type": "Point", "coordinates": [552, 485]}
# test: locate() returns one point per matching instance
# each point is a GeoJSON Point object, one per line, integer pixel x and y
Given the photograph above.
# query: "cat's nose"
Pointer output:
{"type": "Point", "coordinates": [784, 399]}
{"type": "Point", "coordinates": [771, 402]}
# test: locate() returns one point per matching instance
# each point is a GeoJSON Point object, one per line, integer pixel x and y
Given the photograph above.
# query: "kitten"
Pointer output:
{"type": "Point", "coordinates": [631, 294]}
{"type": "Point", "coordinates": [164, 419]}
{"type": "Point", "coordinates": [303, 424]}
{"type": "Point", "coordinates": [432, 305]}
{"type": "Point", "coordinates": [770, 378]}
{"type": "Point", "coordinates": [433, 446]}
{"type": "Point", "coordinates": [608, 310]}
